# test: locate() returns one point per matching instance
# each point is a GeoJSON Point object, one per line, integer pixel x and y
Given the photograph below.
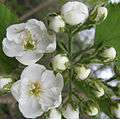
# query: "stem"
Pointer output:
{"type": "Point", "coordinates": [70, 58]}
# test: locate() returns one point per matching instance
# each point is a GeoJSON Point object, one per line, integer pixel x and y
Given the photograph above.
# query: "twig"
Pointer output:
{"type": "Point", "coordinates": [36, 9]}
{"type": "Point", "coordinates": [7, 99]}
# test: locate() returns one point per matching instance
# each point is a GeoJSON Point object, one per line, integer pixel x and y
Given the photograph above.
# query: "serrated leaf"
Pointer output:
{"type": "Point", "coordinates": [6, 18]}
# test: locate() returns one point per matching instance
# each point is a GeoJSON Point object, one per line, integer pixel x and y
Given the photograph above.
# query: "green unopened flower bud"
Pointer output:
{"type": "Point", "coordinates": [82, 72]}
{"type": "Point", "coordinates": [116, 111]}
{"type": "Point", "coordinates": [92, 111]}
{"type": "Point", "coordinates": [109, 54]}
{"type": "Point", "coordinates": [60, 62]}
{"type": "Point", "coordinates": [100, 91]}
{"type": "Point", "coordinates": [99, 14]}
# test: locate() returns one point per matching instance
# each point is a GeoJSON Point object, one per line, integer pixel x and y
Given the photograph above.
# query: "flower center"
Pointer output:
{"type": "Point", "coordinates": [29, 43]}
{"type": "Point", "coordinates": [35, 89]}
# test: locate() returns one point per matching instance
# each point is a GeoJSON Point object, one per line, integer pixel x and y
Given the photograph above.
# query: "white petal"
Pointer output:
{"type": "Point", "coordinates": [14, 32]}
{"type": "Point", "coordinates": [54, 114]}
{"type": "Point", "coordinates": [45, 42]}
{"type": "Point", "coordinates": [85, 38]}
{"type": "Point", "coordinates": [15, 90]}
{"type": "Point", "coordinates": [29, 58]}
{"type": "Point", "coordinates": [52, 43]}
{"type": "Point", "coordinates": [50, 99]}
{"type": "Point", "coordinates": [31, 108]}
{"type": "Point", "coordinates": [11, 49]}
{"type": "Point", "coordinates": [49, 80]}
{"type": "Point", "coordinates": [105, 73]}
{"type": "Point", "coordinates": [33, 72]}
{"type": "Point", "coordinates": [34, 24]}
{"type": "Point", "coordinates": [70, 113]}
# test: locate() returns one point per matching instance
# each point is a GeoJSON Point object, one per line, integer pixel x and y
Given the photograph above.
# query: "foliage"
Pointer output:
{"type": "Point", "coordinates": [7, 18]}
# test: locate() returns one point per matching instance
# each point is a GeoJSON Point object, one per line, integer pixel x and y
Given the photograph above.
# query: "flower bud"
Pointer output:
{"type": "Point", "coordinates": [92, 111]}
{"type": "Point", "coordinates": [116, 111]}
{"type": "Point", "coordinates": [74, 12]}
{"type": "Point", "coordinates": [70, 113]}
{"type": "Point", "coordinates": [100, 14]}
{"type": "Point", "coordinates": [57, 24]}
{"type": "Point", "coordinates": [54, 114]}
{"type": "Point", "coordinates": [82, 72]}
{"type": "Point", "coordinates": [109, 54]}
{"type": "Point", "coordinates": [100, 91]}
{"type": "Point", "coordinates": [4, 81]}
{"type": "Point", "coordinates": [60, 62]}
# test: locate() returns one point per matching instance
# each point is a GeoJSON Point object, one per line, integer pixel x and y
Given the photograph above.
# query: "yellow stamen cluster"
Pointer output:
{"type": "Point", "coordinates": [35, 89]}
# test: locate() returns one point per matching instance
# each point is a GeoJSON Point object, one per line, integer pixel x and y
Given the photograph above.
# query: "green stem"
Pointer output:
{"type": "Point", "coordinates": [70, 58]}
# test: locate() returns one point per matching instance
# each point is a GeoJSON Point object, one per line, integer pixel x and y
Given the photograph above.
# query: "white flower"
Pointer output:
{"type": "Point", "coordinates": [100, 91]}
{"type": "Point", "coordinates": [105, 73]}
{"type": "Point", "coordinates": [57, 23]}
{"type": "Point", "coordinates": [37, 91]}
{"type": "Point", "coordinates": [93, 111]}
{"type": "Point", "coordinates": [116, 111]}
{"type": "Point", "coordinates": [55, 114]}
{"type": "Point", "coordinates": [85, 38]}
{"type": "Point", "coordinates": [4, 81]}
{"type": "Point", "coordinates": [82, 72]}
{"type": "Point", "coordinates": [28, 41]}
{"type": "Point", "coordinates": [70, 113]}
{"type": "Point", "coordinates": [114, 1]}
{"type": "Point", "coordinates": [109, 53]}
{"type": "Point", "coordinates": [60, 62]}
{"type": "Point", "coordinates": [74, 12]}
{"type": "Point", "coordinates": [102, 13]}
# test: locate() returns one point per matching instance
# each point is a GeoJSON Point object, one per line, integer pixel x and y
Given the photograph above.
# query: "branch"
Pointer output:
{"type": "Point", "coordinates": [7, 99]}
{"type": "Point", "coordinates": [37, 9]}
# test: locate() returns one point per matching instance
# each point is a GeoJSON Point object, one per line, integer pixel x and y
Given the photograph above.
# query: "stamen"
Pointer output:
{"type": "Point", "coordinates": [35, 89]}
{"type": "Point", "coordinates": [28, 43]}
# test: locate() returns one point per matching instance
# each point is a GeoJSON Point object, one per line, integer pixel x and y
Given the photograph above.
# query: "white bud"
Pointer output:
{"type": "Point", "coordinates": [100, 91]}
{"type": "Point", "coordinates": [82, 72]}
{"type": "Point", "coordinates": [74, 12]}
{"type": "Point", "coordinates": [70, 113]}
{"type": "Point", "coordinates": [116, 111]}
{"type": "Point", "coordinates": [60, 62]}
{"type": "Point", "coordinates": [109, 53]}
{"type": "Point", "coordinates": [4, 81]}
{"type": "Point", "coordinates": [57, 23]}
{"type": "Point", "coordinates": [54, 114]}
{"type": "Point", "coordinates": [93, 111]}
{"type": "Point", "coordinates": [102, 13]}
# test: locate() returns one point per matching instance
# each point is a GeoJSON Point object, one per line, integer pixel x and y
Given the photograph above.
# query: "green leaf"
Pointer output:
{"type": "Point", "coordinates": [109, 30]}
{"type": "Point", "coordinates": [6, 18]}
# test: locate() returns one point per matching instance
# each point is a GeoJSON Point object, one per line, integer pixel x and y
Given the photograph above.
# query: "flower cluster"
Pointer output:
{"type": "Point", "coordinates": [80, 68]}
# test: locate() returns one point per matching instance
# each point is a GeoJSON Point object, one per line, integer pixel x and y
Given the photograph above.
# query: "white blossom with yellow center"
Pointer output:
{"type": "Point", "coordinates": [38, 90]}
{"type": "Point", "coordinates": [27, 42]}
